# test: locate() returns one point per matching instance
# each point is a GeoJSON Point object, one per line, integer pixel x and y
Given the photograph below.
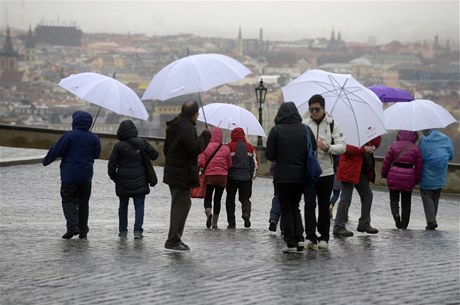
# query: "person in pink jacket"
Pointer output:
{"type": "Point", "coordinates": [402, 167]}
{"type": "Point", "coordinates": [220, 160]}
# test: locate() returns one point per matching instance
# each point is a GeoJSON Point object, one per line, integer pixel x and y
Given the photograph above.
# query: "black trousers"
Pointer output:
{"type": "Point", "coordinates": [289, 196]}
{"type": "Point", "coordinates": [244, 189]}
{"type": "Point", "coordinates": [75, 204]}
{"type": "Point", "coordinates": [405, 206]}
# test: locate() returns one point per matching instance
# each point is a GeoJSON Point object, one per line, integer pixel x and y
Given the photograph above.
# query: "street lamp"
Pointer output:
{"type": "Point", "coordinates": [261, 92]}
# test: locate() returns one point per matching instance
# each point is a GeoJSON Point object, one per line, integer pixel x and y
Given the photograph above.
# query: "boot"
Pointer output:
{"type": "Point", "coordinates": [214, 221]}
{"type": "Point", "coordinates": [397, 219]}
{"type": "Point", "coordinates": [208, 213]}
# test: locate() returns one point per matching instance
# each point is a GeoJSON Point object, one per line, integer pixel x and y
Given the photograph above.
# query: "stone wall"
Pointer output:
{"type": "Point", "coordinates": [42, 138]}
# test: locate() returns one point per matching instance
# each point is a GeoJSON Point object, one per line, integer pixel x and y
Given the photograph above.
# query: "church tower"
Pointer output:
{"type": "Point", "coordinates": [8, 56]}
{"type": "Point", "coordinates": [239, 44]}
{"type": "Point", "coordinates": [30, 51]}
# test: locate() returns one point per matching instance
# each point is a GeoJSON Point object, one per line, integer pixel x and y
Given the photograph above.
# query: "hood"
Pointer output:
{"type": "Point", "coordinates": [288, 114]}
{"type": "Point", "coordinates": [238, 135]}
{"type": "Point", "coordinates": [407, 135]}
{"type": "Point", "coordinates": [216, 135]}
{"type": "Point", "coordinates": [81, 120]}
{"type": "Point", "coordinates": [126, 130]}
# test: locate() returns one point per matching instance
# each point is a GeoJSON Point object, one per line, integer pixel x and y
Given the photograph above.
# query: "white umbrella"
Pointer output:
{"type": "Point", "coordinates": [194, 74]}
{"type": "Point", "coordinates": [105, 92]}
{"type": "Point", "coordinates": [417, 115]}
{"type": "Point", "coordinates": [358, 110]}
{"type": "Point", "coordinates": [229, 116]}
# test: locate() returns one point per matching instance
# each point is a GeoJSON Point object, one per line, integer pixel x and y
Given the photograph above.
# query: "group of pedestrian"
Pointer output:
{"type": "Point", "coordinates": [233, 166]}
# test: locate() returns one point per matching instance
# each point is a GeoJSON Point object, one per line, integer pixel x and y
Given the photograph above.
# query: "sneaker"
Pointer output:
{"type": "Point", "coordinates": [123, 234]}
{"type": "Point", "coordinates": [300, 246]}
{"type": "Point", "coordinates": [323, 244]}
{"type": "Point", "coordinates": [70, 234]}
{"type": "Point", "coordinates": [247, 222]}
{"type": "Point", "coordinates": [310, 245]}
{"type": "Point", "coordinates": [272, 226]}
{"type": "Point", "coordinates": [180, 247]}
{"type": "Point", "coordinates": [431, 226]}
{"type": "Point", "coordinates": [289, 249]}
{"type": "Point", "coordinates": [369, 230]}
{"type": "Point", "coordinates": [138, 235]}
{"type": "Point", "coordinates": [343, 233]}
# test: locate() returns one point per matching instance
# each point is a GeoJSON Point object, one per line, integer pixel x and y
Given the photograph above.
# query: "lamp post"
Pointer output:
{"type": "Point", "coordinates": [261, 92]}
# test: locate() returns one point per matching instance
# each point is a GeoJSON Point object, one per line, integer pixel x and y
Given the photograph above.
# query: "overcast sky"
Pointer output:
{"type": "Point", "coordinates": [403, 20]}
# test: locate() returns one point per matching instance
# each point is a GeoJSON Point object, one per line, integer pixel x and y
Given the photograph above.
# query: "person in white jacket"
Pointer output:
{"type": "Point", "coordinates": [330, 141]}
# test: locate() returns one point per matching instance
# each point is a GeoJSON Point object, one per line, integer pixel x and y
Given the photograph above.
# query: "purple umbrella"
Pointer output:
{"type": "Point", "coordinates": [390, 94]}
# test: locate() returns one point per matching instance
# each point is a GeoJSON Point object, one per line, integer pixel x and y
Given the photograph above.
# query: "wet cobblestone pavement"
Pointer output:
{"type": "Point", "coordinates": [242, 266]}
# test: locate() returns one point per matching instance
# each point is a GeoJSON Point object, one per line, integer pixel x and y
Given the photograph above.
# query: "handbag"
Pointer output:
{"type": "Point", "coordinates": [313, 168]}
{"type": "Point", "coordinates": [200, 191]}
{"type": "Point", "coordinates": [149, 170]}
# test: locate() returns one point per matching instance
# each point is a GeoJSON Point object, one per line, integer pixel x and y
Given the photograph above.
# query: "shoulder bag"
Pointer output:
{"type": "Point", "coordinates": [200, 191]}
{"type": "Point", "coordinates": [149, 170]}
{"type": "Point", "coordinates": [313, 168]}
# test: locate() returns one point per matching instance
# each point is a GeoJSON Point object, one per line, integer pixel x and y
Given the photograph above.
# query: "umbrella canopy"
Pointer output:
{"type": "Point", "coordinates": [194, 74]}
{"type": "Point", "coordinates": [105, 92]}
{"type": "Point", "coordinates": [417, 115]}
{"type": "Point", "coordinates": [358, 110]}
{"type": "Point", "coordinates": [390, 94]}
{"type": "Point", "coordinates": [229, 116]}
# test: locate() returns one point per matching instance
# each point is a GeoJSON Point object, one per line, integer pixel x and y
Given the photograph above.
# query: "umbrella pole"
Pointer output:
{"type": "Point", "coordinates": [204, 114]}
{"type": "Point", "coordinates": [95, 118]}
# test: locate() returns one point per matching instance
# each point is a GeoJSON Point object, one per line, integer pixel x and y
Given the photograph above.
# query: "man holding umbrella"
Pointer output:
{"type": "Point", "coordinates": [182, 147]}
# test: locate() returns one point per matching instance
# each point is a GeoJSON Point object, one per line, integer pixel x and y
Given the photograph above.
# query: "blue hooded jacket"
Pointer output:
{"type": "Point", "coordinates": [77, 149]}
{"type": "Point", "coordinates": [437, 151]}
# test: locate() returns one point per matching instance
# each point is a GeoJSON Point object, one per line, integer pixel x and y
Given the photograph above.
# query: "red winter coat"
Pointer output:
{"type": "Point", "coordinates": [221, 161]}
{"type": "Point", "coordinates": [352, 160]}
{"type": "Point", "coordinates": [406, 171]}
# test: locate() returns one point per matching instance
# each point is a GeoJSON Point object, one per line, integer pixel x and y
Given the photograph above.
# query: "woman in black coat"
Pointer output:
{"type": "Point", "coordinates": [287, 144]}
{"type": "Point", "coordinates": [127, 169]}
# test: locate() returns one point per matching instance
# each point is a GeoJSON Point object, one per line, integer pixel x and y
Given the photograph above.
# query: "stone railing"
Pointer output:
{"type": "Point", "coordinates": [43, 138]}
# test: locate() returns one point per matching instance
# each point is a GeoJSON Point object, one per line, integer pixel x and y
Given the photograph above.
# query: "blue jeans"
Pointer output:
{"type": "Point", "coordinates": [139, 212]}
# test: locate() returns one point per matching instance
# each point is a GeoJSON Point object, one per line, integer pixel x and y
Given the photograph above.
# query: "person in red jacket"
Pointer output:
{"type": "Point", "coordinates": [402, 167]}
{"type": "Point", "coordinates": [356, 170]}
{"type": "Point", "coordinates": [219, 160]}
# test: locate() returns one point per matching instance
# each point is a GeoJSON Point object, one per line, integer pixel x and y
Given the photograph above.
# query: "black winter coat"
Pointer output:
{"type": "Point", "coordinates": [181, 149]}
{"type": "Point", "coordinates": [287, 144]}
{"type": "Point", "coordinates": [126, 167]}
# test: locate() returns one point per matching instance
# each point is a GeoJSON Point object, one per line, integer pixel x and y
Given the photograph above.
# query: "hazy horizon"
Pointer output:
{"type": "Point", "coordinates": [280, 20]}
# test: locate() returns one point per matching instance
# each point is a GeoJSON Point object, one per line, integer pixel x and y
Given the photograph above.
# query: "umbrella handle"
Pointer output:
{"type": "Point", "coordinates": [94, 121]}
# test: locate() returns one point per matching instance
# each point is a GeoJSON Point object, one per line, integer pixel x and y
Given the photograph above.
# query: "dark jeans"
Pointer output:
{"type": "Point", "coordinates": [180, 206]}
{"type": "Point", "coordinates": [244, 189]}
{"type": "Point", "coordinates": [75, 204]}
{"type": "Point", "coordinates": [405, 206]}
{"type": "Point", "coordinates": [138, 209]}
{"type": "Point", "coordinates": [217, 191]}
{"type": "Point", "coordinates": [275, 211]}
{"type": "Point", "coordinates": [290, 195]}
{"type": "Point", "coordinates": [322, 190]}
{"type": "Point", "coordinates": [335, 196]}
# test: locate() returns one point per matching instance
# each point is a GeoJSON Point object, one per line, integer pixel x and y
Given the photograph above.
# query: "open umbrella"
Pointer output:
{"type": "Point", "coordinates": [358, 110]}
{"type": "Point", "coordinates": [391, 94]}
{"type": "Point", "coordinates": [229, 116]}
{"type": "Point", "coordinates": [194, 74]}
{"type": "Point", "coordinates": [105, 92]}
{"type": "Point", "coordinates": [417, 115]}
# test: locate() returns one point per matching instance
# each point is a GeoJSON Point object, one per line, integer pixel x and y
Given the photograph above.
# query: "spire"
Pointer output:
{"type": "Point", "coordinates": [332, 34]}
{"type": "Point", "coordinates": [8, 46]}
{"type": "Point", "coordinates": [30, 42]}
{"type": "Point", "coordinates": [239, 33]}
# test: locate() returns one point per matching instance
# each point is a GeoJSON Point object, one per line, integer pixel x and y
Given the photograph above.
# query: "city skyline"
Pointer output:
{"type": "Point", "coordinates": [290, 20]}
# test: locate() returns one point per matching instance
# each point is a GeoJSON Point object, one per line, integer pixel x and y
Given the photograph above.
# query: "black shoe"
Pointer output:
{"type": "Point", "coordinates": [209, 220]}
{"type": "Point", "coordinates": [180, 247]}
{"type": "Point", "coordinates": [369, 230]}
{"type": "Point", "coordinates": [231, 226]}
{"type": "Point", "coordinates": [397, 219]}
{"type": "Point", "coordinates": [70, 234]}
{"type": "Point", "coordinates": [83, 235]}
{"type": "Point", "coordinates": [343, 233]}
{"type": "Point", "coordinates": [247, 222]}
{"type": "Point", "coordinates": [272, 226]}
{"type": "Point", "coordinates": [431, 226]}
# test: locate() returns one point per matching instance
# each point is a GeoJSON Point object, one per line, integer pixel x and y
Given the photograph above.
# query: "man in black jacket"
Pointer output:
{"type": "Point", "coordinates": [287, 144]}
{"type": "Point", "coordinates": [182, 147]}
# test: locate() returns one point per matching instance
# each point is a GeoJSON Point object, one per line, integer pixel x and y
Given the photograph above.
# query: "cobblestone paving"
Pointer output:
{"type": "Point", "coordinates": [242, 266]}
